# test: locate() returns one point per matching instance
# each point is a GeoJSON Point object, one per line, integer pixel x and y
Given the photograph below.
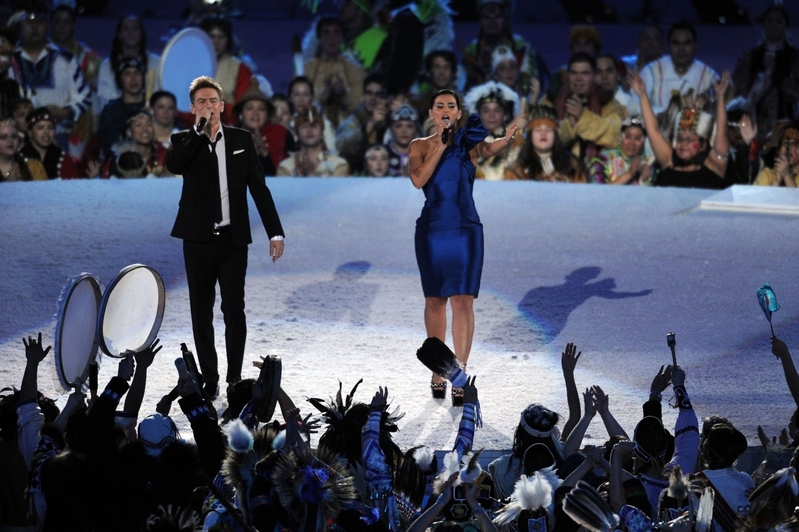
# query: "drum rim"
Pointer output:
{"type": "Point", "coordinates": [59, 328]}
{"type": "Point", "coordinates": [176, 38]}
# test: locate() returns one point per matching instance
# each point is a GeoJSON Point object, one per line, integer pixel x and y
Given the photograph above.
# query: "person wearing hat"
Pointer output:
{"type": "Point", "coordinates": [139, 139]}
{"type": "Point", "coordinates": [272, 141]}
{"type": "Point", "coordinates": [628, 163]}
{"type": "Point", "coordinates": [505, 69]}
{"type": "Point", "coordinates": [785, 171]}
{"type": "Point", "coordinates": [41, 146]}
{"type": "Point", "coordinates": [767, 76]}
{"type": "Point", "coordinates": [691, 162]}
{"type": "Point", "coordinates": [114, 116]}
{"type": "Point", "coordinates": [49, 76]}
{"type": "Point", "coordinates": [678, 71]}
{"type": "Point", "coordinates": [495, 17]}
{"type": "Point", "coordinates": [312, 159]}
{"type": "Point", "coordinates": [402, 129]}
{"type": "Point", "coordinates": [497, 105]}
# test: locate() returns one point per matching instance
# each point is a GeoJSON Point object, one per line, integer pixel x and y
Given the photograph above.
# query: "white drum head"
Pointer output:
{"type": "Point", "coordinates": [187, 56]}
{"type": "Point", "coordinates": [131, 311]}
{"type": "Point", "coordinates": [76, 322]}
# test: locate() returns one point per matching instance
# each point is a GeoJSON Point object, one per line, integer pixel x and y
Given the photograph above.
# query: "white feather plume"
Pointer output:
{"type": "Point", "coordinates": [424, 457]}
{"type": "Point", "coordinates": [467, 476]}
{"type": "Point", "coordinates": [499, 89]}
{"type": "Point", "coordinates": [533, 492]}
{"type": "Point", "coordinates": [279, 441]}
{"type": "Point", "coordinates": [239, 436]}
{"type": "Point", "coordinates": [704, 516]}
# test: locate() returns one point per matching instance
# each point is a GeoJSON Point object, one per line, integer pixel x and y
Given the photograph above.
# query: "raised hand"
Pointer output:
{"type": "Point", "coordinates": [569, 358]}
{"type": "Point", "coordinates": [677, 376]}
{"type": "Point", "coordinates": [588, 403]}
{"type": "Point", "coordinates": [636, 83]}
{"type": "Point", "coordinates": [779, 348]}
{"type": "Point", "coordinates": [661, 380]}
{"type": "Point", "coordinates": [126, 365]}
{"type": "Point", "coordinates": [33, 349]}
{"type": "Point", "coordinates": [722, 84]}
{"type": "Point", "coordinates": [470, 391]}
{"type": "Point", "coordinates": [748, 129]}
{"type": "Point", "coordinates": [601, 401]}
{"type": "Point", "coordinates": [380, 399]}
{"type": "Point", "coordinates": [146, 356]}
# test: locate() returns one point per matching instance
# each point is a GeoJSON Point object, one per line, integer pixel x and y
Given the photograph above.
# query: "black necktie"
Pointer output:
{"type": "Point", "coordinates": [217, 191]}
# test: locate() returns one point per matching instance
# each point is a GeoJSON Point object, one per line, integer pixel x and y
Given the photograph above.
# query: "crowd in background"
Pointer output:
{"type": "Point", "coordinates": [362, 90]}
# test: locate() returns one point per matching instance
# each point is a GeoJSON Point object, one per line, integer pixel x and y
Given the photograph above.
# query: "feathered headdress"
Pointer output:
{"type": "Point", "coordinates": [410, 481]}
{"type": "Point", "coordinates": [532, 497]}
{"type": "Point", "coordinates": [493, 91]}
{"type": "Point", "coordinates": [587, 508]}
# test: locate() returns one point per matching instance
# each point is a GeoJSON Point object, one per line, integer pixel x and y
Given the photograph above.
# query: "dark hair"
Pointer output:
{"type": "Point", "coordinates": [157, 95]}
{"type": "Point", "coordinates": [443, 92]}
{"type": "Point", "coordinates": [682, 25]}
{"type": "Point", "coordinates": [300, 79]}
{"type": "Point", "coordinates": [129, 62]}
{"type": "Point", "coordinates": [116, 44]}
{"type": "Point", "coordinates": [325, 21]}
{"type": "Point", "coordinates": [374, 77]}
{"type": "Point", "coordinates": [65, 8]}
{"type": "Point", "coordinates": [779, 9]}
{"type": "Point", "coordinates": [531, 162]}
{"type": "Point", "coordinates": [582, 57]}
{"type": "Point", "coordinates": [222, 24]}
{"type": "Point", "coordinates": [204, 82]}
{"type": "Point", "coordinates": [541, 418]}
{"type": "Point", "coordinates": [280, 97]}
{"type": "Point", "coordinates": [446, 55]}
{"type": "Point", "coordinates": [608, 56]}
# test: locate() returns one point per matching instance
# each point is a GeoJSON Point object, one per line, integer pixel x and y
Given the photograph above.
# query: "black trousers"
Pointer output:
{"type": "Point", "coordinates": [209, 263]}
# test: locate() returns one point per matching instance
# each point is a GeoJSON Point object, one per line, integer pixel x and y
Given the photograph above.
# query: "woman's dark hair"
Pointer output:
{"type": "Point", "coordinates": [116, 44]}
{"type": "Point", "coordinates": [449, 92]}
{"type": "Point", "coordinates": [300, 79]}
{"type": "Point", "coordinates": [157, 95]}
{"type": "Point", "coordinates": [280, 97]}
{"type": "Point", "coordinates": [222, 24]}
{"type": "Point", "coordinates": [561, 159]}
{"type": "Point", "coordinates": [446, 55]}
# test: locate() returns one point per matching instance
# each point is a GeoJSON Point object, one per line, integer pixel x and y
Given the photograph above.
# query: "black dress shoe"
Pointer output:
{"type": "Point", "coordinates": [211, 390]}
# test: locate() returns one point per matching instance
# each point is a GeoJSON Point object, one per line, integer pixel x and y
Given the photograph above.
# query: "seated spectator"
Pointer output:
{"type": "Point", "coordinates": [231, 72]}
{"type": "Point", "coordinates": [312, 159]}
{"type": "Point", "coordinates": [544, 158]}
{"type": "Point", "coordinates": [506, 71]}
{"type": "Point", "coordinates": [497, 105]}
{"type": "Point", "coordinates": [114, 117]}
{"type": "Point", "coordinates": [768, 76]}
{"type": "Point", "coordinates": [20, 109]}
{"type": "Point", "coordinates": [650, 48]}
{"type": "Point", "coordinates": [41, 146]}
{"type": "Point", "coordinates": [165, 112]}
{"type": "Point", "coordinates": [376, 161]}
{"type": "Point", "coordinates": [679, 71]}
{"type": "Point", "coordinates": [495, 30]}
{"type": "Point", "coordinates": [691, 163]}
{"type": "Point", "coordinates": [785, 171]}
{"type": "Point", "coordinates": [272, 141]}
{"type": "Point", "coordinates": [62, 23]}
{"type": "Point", "coordinates": [627, 164]}
{"type": "Point", "coordinates": [582, 40]}
{"type": "Point", "coordinates": [366, 125]}
{"type": "Point", "coordinates": [283, 111]}
{"type": "Point", "coordinates": [13, 166]}
{"type": "Point", "coordinates": [301, 96]}
{"type": "Point", "coordinates": [139, 138]}
{"type": "Point", "coordinates": [49, 75]}
{"type": "Point", "coordinates": [403, 128]}
{"type": "Point", "coordinates": [744, 164]}
{"type": "Point", "coordinates": [130, 41]}
{"type": "Point", "coordinates": [590, 119]}
{"type": "Point", "coordinates": [9, 88]}
{"type": "Point", "coordinates": [337, 81]}
{"type": "Point", "coordinates": [608, 79]}
{"type": "Point", "coordinates": [441, 72]}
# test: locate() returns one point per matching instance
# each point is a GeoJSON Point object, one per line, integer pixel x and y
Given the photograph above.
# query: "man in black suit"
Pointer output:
{"type": "Point", "coordinates": [218, 164]}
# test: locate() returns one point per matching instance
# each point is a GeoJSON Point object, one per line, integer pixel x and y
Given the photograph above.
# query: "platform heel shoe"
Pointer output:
{"type": "Point", "coordinates": [438, 389]}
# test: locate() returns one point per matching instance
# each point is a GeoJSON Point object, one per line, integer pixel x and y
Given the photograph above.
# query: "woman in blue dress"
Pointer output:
{"type": "Point", "coordinates": [449, 235]}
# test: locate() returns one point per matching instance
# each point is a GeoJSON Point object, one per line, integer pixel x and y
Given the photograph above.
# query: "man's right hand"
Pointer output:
{"type": "Point", "coordinates": [378, 116]}
{"type": "Point", "coordinates": [203, 113]}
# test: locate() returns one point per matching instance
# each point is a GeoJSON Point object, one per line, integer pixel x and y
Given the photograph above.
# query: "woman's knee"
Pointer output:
{"type": "Point", "coordinates": [464, 303]}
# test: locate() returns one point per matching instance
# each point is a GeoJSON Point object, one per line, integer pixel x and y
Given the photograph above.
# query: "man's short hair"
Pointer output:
{"type": "Point", "coordinates": [446, 55]}
{"type": "Point", "coordinates": [157, 95]}
{"type": "Point", "coordinates": [682, 25]}
{"type": "Point", "coordinates": [582, 57]}
{"type": "Point", "coordinates": [300, 79]}
{"type": "Point", "coordinates": [374, 77]}
{"type": "Point", "coordinates": [204, 82]}
{"type": "Point", "coordinates": [612, 59]}
{"type": "Point", "coordinates": [327, 21]}
{"type": "Point", "coordinates": [66, 9]}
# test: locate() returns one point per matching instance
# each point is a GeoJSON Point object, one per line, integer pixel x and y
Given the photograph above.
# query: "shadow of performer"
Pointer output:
{"type": "Point", "coordinates": [545, 310]}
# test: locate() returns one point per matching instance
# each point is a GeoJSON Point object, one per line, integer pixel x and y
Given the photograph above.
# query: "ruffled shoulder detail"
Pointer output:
{"type": "Point", "coordinates": [471, 135]}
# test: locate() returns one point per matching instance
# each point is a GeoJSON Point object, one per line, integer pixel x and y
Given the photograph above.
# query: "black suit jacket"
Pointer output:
{"type": "Point", "coordinates": [191, 158]}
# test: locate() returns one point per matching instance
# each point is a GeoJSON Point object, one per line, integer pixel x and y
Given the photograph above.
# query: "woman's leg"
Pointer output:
{"type": "Point", "coordinates": [435, 321]}
{"type": "Point", "coordinates": [462, 326]}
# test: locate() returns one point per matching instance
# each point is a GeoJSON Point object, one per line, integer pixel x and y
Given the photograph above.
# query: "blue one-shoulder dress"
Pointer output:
{"type": "Point", "coordinates": [449, 235]}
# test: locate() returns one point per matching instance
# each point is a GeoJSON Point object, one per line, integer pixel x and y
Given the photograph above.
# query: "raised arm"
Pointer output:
{"type": "Point", "coordinates": [602, 403]}
{"type": "Point", "coordinates": [720, 153]}
{"type": "Point", "coordinates": [660, 145]}
{"type": "Point", "coordinates": [489, 149]}
{"type": "Point", "coordinates": [568, 361]}
{"type": "Point", "coordinates": [780, 351]}
{"type": "Point", "coordinates": [572, 444]}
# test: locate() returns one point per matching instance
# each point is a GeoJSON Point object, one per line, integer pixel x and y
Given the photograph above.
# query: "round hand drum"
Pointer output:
{"type": "Point", "coordinates": [131, 311]}
{"type": "Point", "coordinates": [75, 330]}
{"type": "Point", "coordinates": [188, 55]}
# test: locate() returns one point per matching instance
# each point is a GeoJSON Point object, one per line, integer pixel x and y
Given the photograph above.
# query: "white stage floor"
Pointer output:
{"type": "Point", "coordinates": [612, 269]}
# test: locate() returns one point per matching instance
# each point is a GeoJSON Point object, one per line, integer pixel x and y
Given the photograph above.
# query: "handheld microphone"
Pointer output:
{"type": "Point", "coordinates": [445, 133]}
{"type": "Point", "coordinates": [201, 124]}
